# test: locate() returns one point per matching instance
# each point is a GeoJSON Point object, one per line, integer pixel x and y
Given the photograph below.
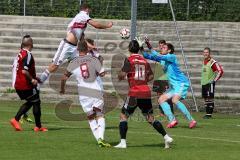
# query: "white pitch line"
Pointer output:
{"type": "Point", "coordinates": [149, 133]}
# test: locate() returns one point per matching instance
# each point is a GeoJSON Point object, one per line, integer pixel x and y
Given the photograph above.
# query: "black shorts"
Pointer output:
{"type": "Point", "coordinates": [28, 95]}
{"type": "Point", "coordinates": [208, 90]}
{"type": "Point", "coordinates": [160, 86]}
{"type": "Point", "coordinates": [131, 103]}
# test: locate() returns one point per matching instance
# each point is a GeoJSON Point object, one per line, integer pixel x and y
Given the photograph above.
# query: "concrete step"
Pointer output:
{"type": "Point", "coordinates": [43, 26]}
{"type": "Point", "coordinates": [106, 43]}
{"type": "Point", "coordinates": [184, 24]}
{"type": "Point", "coordinates": [108, 62]}
{"type": "Point", "coordinates": [215, 35]}
{"type": "Point", "coordinates": [46, 35]}
{"type": "Point", "coordinates": [221, 91]}
{"type": "Point", "coordinates": [187, 41]}
{"type": "Point", "coordinates": [59, 20]}
{"type": "Point", "coordinates": [108, 78]}
{"type": "Point", "coordinates": [8, 49]}
{"type": "Point", "coordinates": [120, 46]}
{"type": "Point", "coordinates": [190, 57]}
{"type": "Point", "coordinates": [227, 73]}
{"type": "Point", "coordinates": [155, 33]}
{"type": "Point", "coordinates": [52, 20]}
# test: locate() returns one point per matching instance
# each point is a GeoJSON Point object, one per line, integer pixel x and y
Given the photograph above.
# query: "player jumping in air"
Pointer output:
{"type": "Point", "coordinates": [67, 49]}
{"type": "Point", "coordinates": [138, 72]}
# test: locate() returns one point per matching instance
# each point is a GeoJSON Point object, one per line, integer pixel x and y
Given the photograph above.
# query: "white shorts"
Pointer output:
{"type": "Point", "coordinates": [65, 51]}
{"type": "Point", "coordinates": [88, 103]}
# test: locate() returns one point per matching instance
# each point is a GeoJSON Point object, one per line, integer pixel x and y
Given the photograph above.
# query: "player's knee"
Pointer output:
{"type": "Point", "coordinates": [91, 115]}
{"type": "Point", "coordinates": [150, 118]}
{"type": "Point", "coordinates": [98, 112]}
{"type": "Point", "coordinates": [175, 99]}
{"type": "Point", "coordinates": [162, 99]}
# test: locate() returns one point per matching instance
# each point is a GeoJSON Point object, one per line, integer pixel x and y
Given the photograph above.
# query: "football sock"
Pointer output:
{"type": "Point", "coordinates": [169, 101]}
{"type": "Point", "coordinates": [101, 127]}
{"type": "Point", "coordinates": [22, 110]}
{"type": "Point", "coordinates": [123, 127]}
{"type": "Point", "coordinates": [158, 126]}
{"type": "Point", "coordinates": [184, 110]}
{"type": "Point", "coordinates": [167, 111]}
{"type": "Point", "coordinates": [161, 110]}
{"type": "Point", "coordinates": [37, 113]}
{"type": "Point", "coordinates": [94, 127]}
{"type": "Point", "coordinates": [209, 107]}
{"type": "Point", "coordinates": [44, 76]}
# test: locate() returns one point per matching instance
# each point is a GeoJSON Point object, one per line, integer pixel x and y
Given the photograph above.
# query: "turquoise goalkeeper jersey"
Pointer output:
{"type": "Point", "coordinates": [171, 67]}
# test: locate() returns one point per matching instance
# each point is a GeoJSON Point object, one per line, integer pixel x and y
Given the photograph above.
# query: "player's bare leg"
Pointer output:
{"type": "Point", "coordinates": [51, 68]}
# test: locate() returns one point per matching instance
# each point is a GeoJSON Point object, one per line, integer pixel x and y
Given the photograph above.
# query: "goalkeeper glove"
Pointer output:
{"type": "Point", "coordinates": [140, 41]}
{"type": "Point", "coordinates": [147, 42]}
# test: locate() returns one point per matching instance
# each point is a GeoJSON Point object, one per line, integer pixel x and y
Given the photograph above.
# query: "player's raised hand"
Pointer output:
{"type": "Point", "coordinates": [147, 41]}
{"type": "Point", "coordinates": [140, 41]}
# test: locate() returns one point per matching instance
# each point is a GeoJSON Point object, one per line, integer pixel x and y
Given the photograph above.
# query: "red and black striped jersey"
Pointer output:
{"type": "Point", "coordinates": [138, 71]}
{"type": "Point", "coordinates": [23, 61]}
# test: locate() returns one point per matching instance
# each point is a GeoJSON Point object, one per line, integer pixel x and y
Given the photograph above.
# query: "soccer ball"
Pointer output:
{"type": "Point", "coordinates": [125, 33]}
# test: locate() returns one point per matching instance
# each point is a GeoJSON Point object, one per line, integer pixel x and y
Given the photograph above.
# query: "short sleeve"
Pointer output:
{"type": "Point", "coordinates": [126, 66]}
{"type": "Point", "coordinates": [26, 61]}
{"type": "Point", "coordinates": [86, 17]}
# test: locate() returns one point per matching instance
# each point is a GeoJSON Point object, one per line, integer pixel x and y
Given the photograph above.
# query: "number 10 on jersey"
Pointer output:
{"type": "Point", "coordinates": [139, 72]}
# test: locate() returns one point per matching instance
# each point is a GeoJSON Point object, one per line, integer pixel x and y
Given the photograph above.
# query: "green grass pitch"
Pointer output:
{"type": "Point", "coordinates": [215, 139]}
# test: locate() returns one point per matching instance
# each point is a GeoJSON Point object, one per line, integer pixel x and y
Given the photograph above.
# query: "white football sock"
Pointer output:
{"type": "Point", "coordinates": [94, 127]}
{"type": "Point", "coordinates": [101, 127]}
{"type": "Point", "coordinates": [44, 76]}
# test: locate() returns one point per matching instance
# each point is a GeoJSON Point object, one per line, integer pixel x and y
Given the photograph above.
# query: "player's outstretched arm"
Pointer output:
{"type": "Point", "coordinates": [99, 25]}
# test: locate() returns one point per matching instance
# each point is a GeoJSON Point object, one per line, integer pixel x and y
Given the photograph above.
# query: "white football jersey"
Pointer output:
{"type": "Point", "coordinates": [79, 23]}
{"type": "Point", "coordinates": [86, 69]}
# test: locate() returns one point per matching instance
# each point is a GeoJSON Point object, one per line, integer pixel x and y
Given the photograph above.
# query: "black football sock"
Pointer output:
{"type": "Point", "coordinates": [209, 108]}
{"type": "Point", "coordinates": [123, 127]}
{"type": "Point", "coordinates": [37, 113]}
{"type": "Point", "coordinates": [158, 126]}
{"type": "Point", "coordinates": [23, 110]}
